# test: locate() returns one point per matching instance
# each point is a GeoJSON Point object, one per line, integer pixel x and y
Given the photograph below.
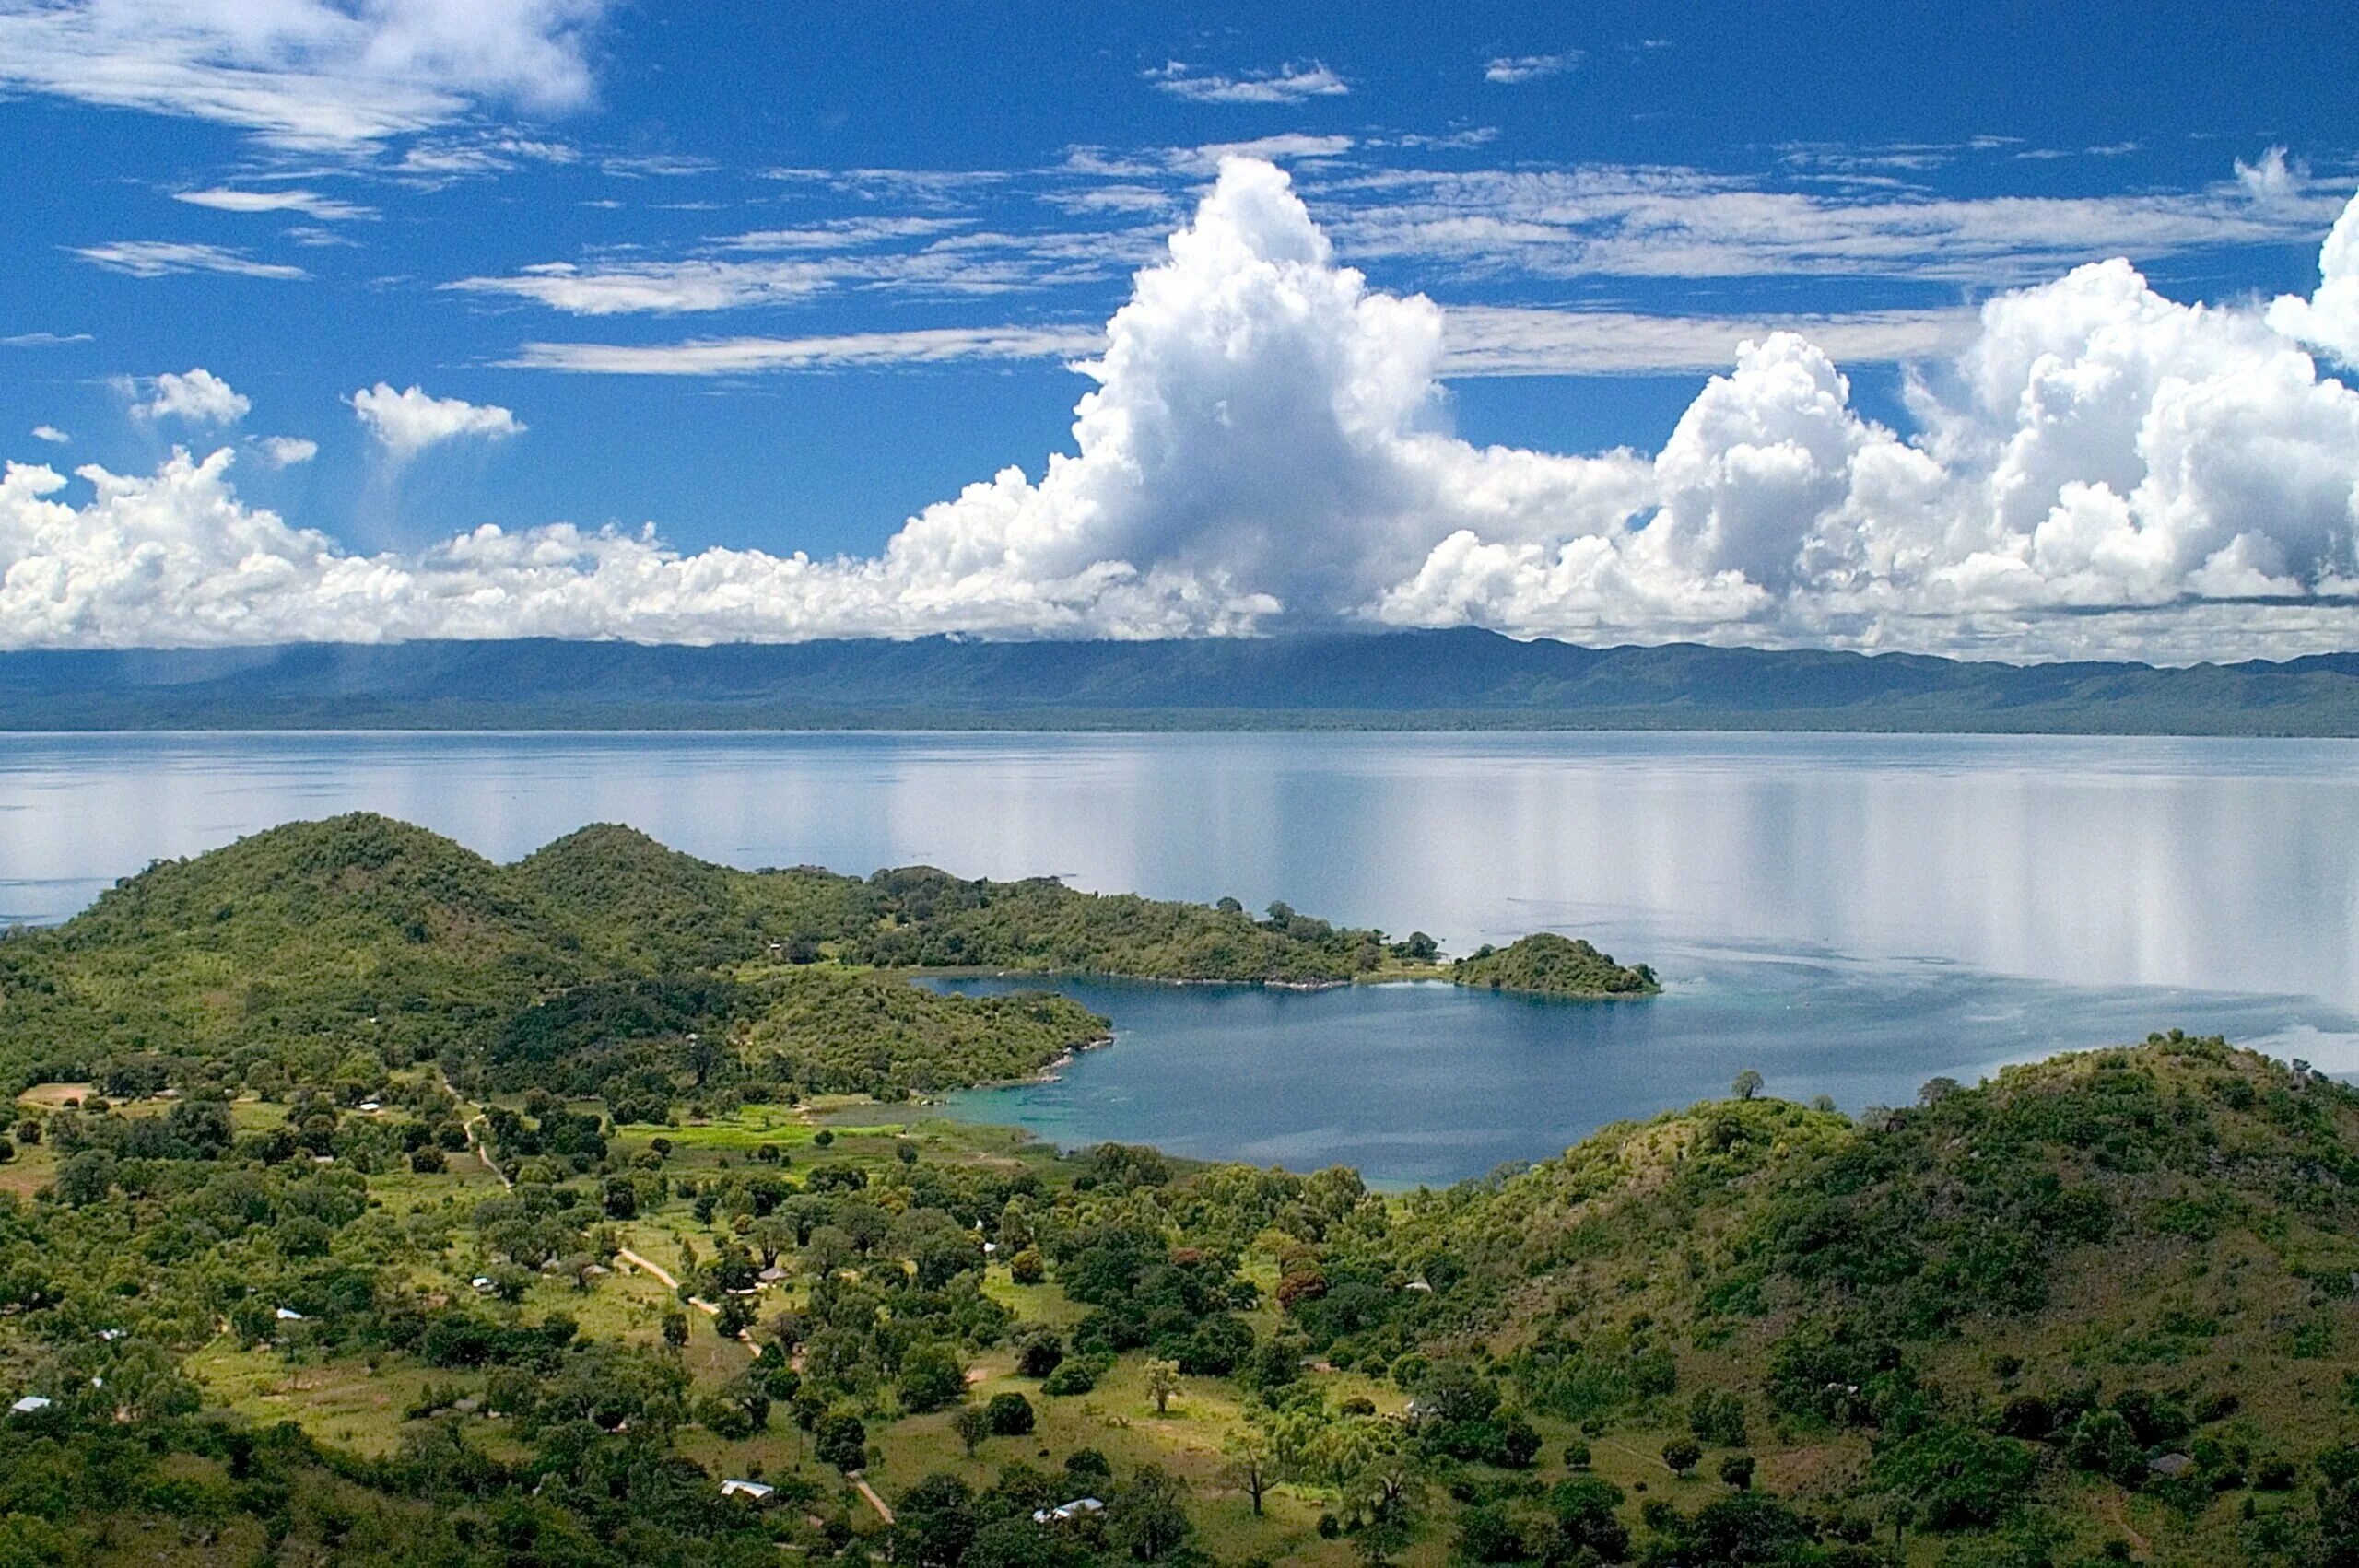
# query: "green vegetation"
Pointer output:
{"type": "Point", "coordinates": [592, 1218]}
{"type": "Point", "coordinates": [1547, 965]}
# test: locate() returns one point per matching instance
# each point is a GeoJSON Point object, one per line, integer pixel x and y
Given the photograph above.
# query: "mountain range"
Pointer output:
{"type": "Point", "coordinates": [1459, 679]}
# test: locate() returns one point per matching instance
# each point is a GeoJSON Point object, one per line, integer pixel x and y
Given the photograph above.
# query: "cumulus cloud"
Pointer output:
{"type": "Point", "coordinates": [313, 74]}
{"type": "Point", "coordinates": [199, 396]}
{"type": "Point", "coordinates": [1510, 69]}
{"type": "Point", "coordinates": [2092, 470]}
{"type": "Point", "coordinates": [2329, 319]}
{"type": "Point", "coordinates": [406, 423]}
{"type": "Point", "coordinates": [285, 452]}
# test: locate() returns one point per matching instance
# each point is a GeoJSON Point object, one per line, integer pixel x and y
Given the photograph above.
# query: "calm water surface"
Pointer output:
{"type": "Point", "coordinates": [1850, 915]}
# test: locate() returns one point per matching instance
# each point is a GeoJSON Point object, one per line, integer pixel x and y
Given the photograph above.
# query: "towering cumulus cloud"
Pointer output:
{"type": "Point", "coordinates": [2102, 471]}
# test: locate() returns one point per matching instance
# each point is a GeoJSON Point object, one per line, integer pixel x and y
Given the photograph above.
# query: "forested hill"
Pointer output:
{"type": "Point", "coordinates": [1396, 680]}
{"type": "Point", "coordinates": [610, 964]}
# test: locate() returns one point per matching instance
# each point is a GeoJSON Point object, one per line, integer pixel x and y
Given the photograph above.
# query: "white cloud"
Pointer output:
{"type": "Point", "coordinates": [1497, 340]}
{"type": "Point", "coordinates": [2098, 471]}
{"type": "Point", "coordinates": [327, 209]}
{"type": "Point", "coordinates": [955, 260]}
{"type": "Point", "coordinates": [1514, 68]}
{"type": "Point", "coordinates": [285, 452]}
{"type": "Point", "coordinates": [2329, 319]}
{"type": "Point", "coordinates": [1286, 147]}
{"type": "Point", "coordinates": [1477, 340]}
{"type": "Point", "coordinates": [43, 339]}
{"type": "Point", "coordinates": [50, 434]}
{"type": "Point", "coordinates": [739, 356]}
{"type": "Point", "coordinates": [1287, 84]}
{"type": "Point", "coordinates": [665, 287]}
{"type": "Point", "coordinates": [406, 423]}
{"type": "Point", "coordinates": [1638, 221]}
{"type": "Point", "coordinates": [200, 397]}
{"type": "Point", "coordinates": [162, 258]}
{"type": "Point", "coordinates": [313, 74]}
{"type": "Point", "coordinates": [2272, 178]}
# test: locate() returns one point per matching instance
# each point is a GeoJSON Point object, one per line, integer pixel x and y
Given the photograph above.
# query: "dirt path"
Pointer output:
{"type": "Point", "coordinates": [672, 1282]}
{"type": "Point", "coordinates": [860, 1484]}
{"type": "Point", "coordinates": [2121, 1518]}
{"type": "Point", "coordinates": [472, 1122]}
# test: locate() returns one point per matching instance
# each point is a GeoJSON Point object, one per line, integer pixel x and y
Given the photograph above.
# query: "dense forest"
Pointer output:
{"type": "Point", "coordinates": [364, 1202]}
{"type": "Point", "coordinates": [283, 951]}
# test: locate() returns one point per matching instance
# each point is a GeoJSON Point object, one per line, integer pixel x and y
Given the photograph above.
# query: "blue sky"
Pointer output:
{"type": "Point", "coordinates": [775, 279]}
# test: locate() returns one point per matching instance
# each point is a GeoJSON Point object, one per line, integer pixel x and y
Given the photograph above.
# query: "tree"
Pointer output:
{"type": "Point", "coordinates": [1038, 1353]}
{"type": "Point", "coordinates": [842, 1441]}
{"type": "Point", "coordinates": [931, 1378]}
{"type": "Point", "coordinates": [1025, 1268]}
{"type": "Point", "coordinates": [1250, 1457]}
{"type": "Point", "coordinates": [1936, 1090]}
{"type": "Point", "coordinates": [1162, 1383]}
{"type": "Point", "coordinates": [1736, 1470]}
{"type": "Point", "coordinates": [971, 1426]}
{"type": "Point", "coordinates": [86, 1178]}
{"type": "Point", "coordinates": [1683, 1454]}
{"type": "Point", "coordinates": [1010, 1415]}
{"type": "Point", "coordinates": [1747, 1085]}
{"type": "Point", "coordinates": [1149, 1520]}
{"type": "Point", "coordinates": [675, 1329]}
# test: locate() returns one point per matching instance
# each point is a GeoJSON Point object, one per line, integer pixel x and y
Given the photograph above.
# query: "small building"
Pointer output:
{"type": "Point", "coordinates": [108, 1336]}
{"type": "Point", "coordinates": [771, 1275]}
{"type": "Point", "coordinates": [2171, 1465]}
{"type": "Point", "coordinates": [751, 1491]}
{"type": "Point", "coordinates": [289, 1315]}
{"type": "Point", "coordinates": [1079, 1507]}
{"type": "Point", "coordinates": [28, 1405]}
{"type": "Point", "coordinates": [483, 1284]}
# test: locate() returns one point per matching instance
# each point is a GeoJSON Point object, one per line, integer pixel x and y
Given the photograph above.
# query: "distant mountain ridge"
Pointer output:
{"type": "Point", "coordinates": [1458, 679]}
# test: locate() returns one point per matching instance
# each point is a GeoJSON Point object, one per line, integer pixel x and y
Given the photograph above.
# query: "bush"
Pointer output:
{"type": "Point", "coordinates": [1717, 1418]}
{"type": "Point", "coordinates": [1040, 1353]}
{"type": "Point", "coordinates": [1010, 1415]}
{"type": "Point", "coordinates": [429, 1161]}
{"type": "Point", "coordinates": [1075, 1375]}
{"type": "Point", "coordinates": [1027, 1269]}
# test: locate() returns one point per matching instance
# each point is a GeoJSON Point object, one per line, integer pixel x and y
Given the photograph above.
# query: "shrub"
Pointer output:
{"type": "Point", "coordinates": [1075, 1374]}
{"type": "Point", "coordinates": [1010, 1415]}
{"type": "Point", "coordinates": [1027, 1269]}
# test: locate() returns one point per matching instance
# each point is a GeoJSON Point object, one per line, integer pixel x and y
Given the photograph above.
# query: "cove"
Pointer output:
{"type": "Point", "coordinates": [1431, 1083]}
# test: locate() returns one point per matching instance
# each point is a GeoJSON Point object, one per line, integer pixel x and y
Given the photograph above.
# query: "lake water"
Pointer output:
{"type": "Point", "coordinates": [1850, 915]}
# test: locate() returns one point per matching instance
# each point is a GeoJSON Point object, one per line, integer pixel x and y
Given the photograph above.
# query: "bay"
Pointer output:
{"type": "Point", "coordinates": [1850, 915]}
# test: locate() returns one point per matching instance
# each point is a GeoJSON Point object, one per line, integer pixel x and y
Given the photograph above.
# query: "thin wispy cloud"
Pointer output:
{"type": "Point", "coordinates": [305, 73]}
{"type": "Point", "coordinates": [294, 199]}
{"type": "Point", "coordinates": [43, 339]}
{"type": "Point", "coordinates": [1287, 84]}
{"type": "Point", "coordinates": [162, 257]}
{"type": "Point", "coordinates": [875, 350]}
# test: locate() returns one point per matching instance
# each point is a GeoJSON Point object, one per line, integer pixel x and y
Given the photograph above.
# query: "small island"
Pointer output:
{"type": "Point", "coordinates": [1547, 965]}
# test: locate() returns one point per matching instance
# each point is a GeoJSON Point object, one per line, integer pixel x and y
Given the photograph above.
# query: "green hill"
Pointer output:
{"type": "Point", "coordinates": [356, 930]}
{"type": "Point", "coordinates": [1547, 965]}
{"type": "Point", "coordinates": [2106, 1296]}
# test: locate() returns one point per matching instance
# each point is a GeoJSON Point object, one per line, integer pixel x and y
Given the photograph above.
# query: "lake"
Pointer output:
{"type": "Point", "coordinates": [1850, 915]}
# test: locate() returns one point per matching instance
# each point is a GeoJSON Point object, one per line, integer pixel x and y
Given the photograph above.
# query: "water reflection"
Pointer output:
{"type": "Point", "coordinates": [2222, 865]}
